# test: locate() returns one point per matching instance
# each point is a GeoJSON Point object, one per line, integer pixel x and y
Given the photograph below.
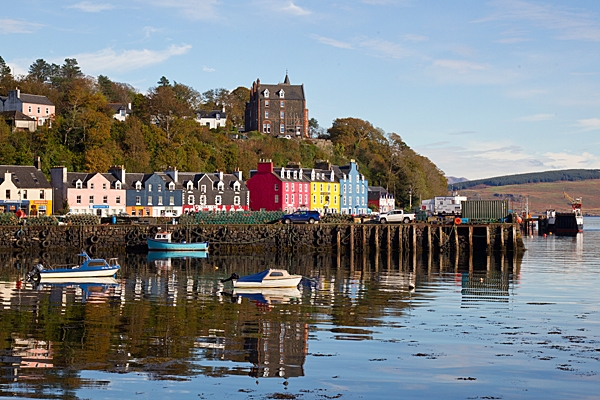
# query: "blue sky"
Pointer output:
{"type": "Point", "coordinates": [482, 88]}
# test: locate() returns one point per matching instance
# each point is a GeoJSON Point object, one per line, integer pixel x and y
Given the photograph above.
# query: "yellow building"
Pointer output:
{"type": "Point", "coordinates": [324, 190]}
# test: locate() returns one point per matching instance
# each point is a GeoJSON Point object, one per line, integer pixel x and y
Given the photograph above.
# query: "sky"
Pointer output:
{"type": "Point", "coordinates": [481, 88]}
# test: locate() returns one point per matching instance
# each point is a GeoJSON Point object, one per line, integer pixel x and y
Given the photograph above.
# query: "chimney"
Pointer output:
{"type": "Point", "coordinates": [18, 93]}
{"type": "Point", "coordinates": [119, 172]}
{"type": "Point", "coordinates": [238, 174]}
{"type": "Point", "coordinates": [265, 165]}
{"type": "Point", "coordinates": [129, 107]}
{"type": "Point", "coordinates": [173, 173]}
{"type": "Point", "coordinates": [220, 175]}
{"type": "Point", "coordinates": [37, 163]}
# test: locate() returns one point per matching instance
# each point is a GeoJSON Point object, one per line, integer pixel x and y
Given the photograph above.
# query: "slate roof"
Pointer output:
{"type": "Point", "coordinates": [36, 99]}
{"type": "Point", "coordinates": [73, 177]}
{"type": "Point", "coordinates": [25, 176]}
{"type": "Point", "coordinates": [211, 114]}
{"type": "Point", "coordinates": [16, 115]}
{"type": "Point", "coordinates": [291, 92]}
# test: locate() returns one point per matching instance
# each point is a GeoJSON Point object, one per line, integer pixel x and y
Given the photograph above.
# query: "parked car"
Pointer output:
{"type": "Point", "coordinates": [301, 216]}
{"type": "Point", "coordinates": [396, 216]}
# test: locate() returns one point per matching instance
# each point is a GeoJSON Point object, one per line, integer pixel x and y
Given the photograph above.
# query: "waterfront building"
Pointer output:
{"type": "Point", "coordinates": [101, 194]}
{"type": "Point", "coordinates": [212, 192]}
{"type": "Point", "coordinates": [153, 195]}
{"type": "Point", "coordinates": [278, 189]}
{"type": "Point", "coordinates": [324, 188]}
{"type": "Point", "coordinates": [277, 109]}
{"type": "Point", "coordinates": [37, 107]}
{"type": "Point", "coordinates": [25, 190]}
{"type": "Point", "coordinates": [381, 199]}
{"type": "Point", "coordinates": [354, 189]}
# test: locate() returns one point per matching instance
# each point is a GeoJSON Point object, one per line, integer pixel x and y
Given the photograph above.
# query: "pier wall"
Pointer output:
{"type": "Point", "coordinates": [416, 237]}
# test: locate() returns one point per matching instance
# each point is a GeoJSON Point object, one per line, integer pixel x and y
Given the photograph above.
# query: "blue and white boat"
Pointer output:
{"type": "Point", "coordinates": [163, 241]}
{"type": "Point", "coordinates": [87, 267]}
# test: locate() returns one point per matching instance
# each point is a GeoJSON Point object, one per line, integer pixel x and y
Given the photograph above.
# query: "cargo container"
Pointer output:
{"type": "Point", "coordinates": [485, 210]}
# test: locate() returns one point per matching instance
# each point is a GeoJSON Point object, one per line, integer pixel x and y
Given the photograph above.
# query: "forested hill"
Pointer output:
{"type": "Point", "coordinates": [534, 177]}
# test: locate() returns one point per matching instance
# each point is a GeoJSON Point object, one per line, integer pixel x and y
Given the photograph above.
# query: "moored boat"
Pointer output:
{"type": "Point", "coordinates": [87, 267]}
{"type": "Point", "coordinates": [164, 241]}
{"type": "Point", "coordinates": [270, 278]}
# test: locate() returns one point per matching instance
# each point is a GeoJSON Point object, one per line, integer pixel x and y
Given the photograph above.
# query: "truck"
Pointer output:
{"type": "Point", "coordinates": [444, 205]}
{"type": "Point", "coordinates": [396, 216]}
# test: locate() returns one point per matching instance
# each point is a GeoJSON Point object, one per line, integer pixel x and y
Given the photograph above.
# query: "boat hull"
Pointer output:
{"type": "Point", "coordinates": [166, 246]}
{"type": "Point", "coordinates": [73, 273]}
{"type": "Point", "coordinates": [290, 282]}
{"type": "Point", "coordinates": [566, 224]}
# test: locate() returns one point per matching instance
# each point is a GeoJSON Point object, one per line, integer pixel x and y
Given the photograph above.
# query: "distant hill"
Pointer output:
{"type": "Point", "coordinates": [452, 179]}
{"type": "Point", "coordinates": [567, 175]}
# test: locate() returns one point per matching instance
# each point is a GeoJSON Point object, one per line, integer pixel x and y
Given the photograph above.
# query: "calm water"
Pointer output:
{"type": "Point", "coordinates": [362, 328]}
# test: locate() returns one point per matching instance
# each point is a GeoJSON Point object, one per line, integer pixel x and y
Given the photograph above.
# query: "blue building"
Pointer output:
{"type": "Point", "coordinates": [354, 189]}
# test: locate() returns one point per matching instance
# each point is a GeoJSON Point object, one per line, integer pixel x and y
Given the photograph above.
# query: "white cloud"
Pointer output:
{"type": "Point", "coordinates": [332, 42]}
{"type": "Point", "coordinates": [564, 160]}
{"type": "Point", "coordinates": [569, 23]}
{"type": "Point", "coordinates": [537, 117]}
{"type": "Point", "coordinates": [191, 9]}
{"type": "Point", "coordinates": [291, 8]}
{"type": "Point", "coordinates": [109, 61]}
{"type": "Point", "coordinates": [461, 66]}
{"type": "Point", "coordinates": [590, 124]}
{"type": "Point", "coordinates": [384, 48]}
{"type": "Point", "coordinates": [409, 37]}
{"type": "Point", "coordinates": [17, 26]}
{"type": "Point", "coordinates": [208, 69]}
{"type": "Point", "coordinates": [88, 6]}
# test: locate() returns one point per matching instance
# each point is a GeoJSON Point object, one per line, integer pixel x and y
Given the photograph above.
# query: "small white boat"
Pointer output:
{"type": "Point", "coordinates": [270, 278]}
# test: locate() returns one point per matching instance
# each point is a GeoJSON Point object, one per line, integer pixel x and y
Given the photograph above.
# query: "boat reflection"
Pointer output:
{"type": "Point", "coordinates": [267, 296]}
{"type": "Point", "coordinates": [165, 255]}
{"type": "Point", "coordinates": [91, 289]}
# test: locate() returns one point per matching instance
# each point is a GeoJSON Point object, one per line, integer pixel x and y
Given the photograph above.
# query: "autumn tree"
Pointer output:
{"type": "Point", "coordinates": [236, 106]}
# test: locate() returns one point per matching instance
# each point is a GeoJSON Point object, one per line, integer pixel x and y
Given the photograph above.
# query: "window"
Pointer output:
{"type": "Point", "coordinates": [47, 111]}
{"type": "Point", "coordinates": [39, 110]}
{"type": "Point", "coordinates": [171, 186]}
{"type": "Point", "coordinates": [268, 128]}
{"type": "Point", "coordinates": [282, 103]}
{"type": "Point", "coordinates": [350, 200]}
{"type": "Point", "coordinates": [160, 201]}
{"type": "Point", "coordinates": [293, 186]}
{"type": "Point", "coordinates": [149, 187]}
{"type": "Point", "coordinates": [357, 188]}
{"type": "Point", "coordinates": [24, 194]}
{"type": "Point", "coordinates": [203, 188]}
{"type": "Point", "coordinates": [321, 187]}
{"type": "Point", "coordinates": [282, 114]}
{"type": "Point", "coordinates": [118, 185]}
{"type": "Point", "coordinates": [7, 194]}
{"type": "Point", "coordinates": [149, 200]}
{"type": "Point", "coordinates": [42, 195]}
{"type": "Point", "coordinates": [266, 103]}
{"type": "Point", "coordinates": [281, 128]}
{"type": "Point", "coordinates": [217, 200]}
{"type": "Point", "coordinates": [236, 201]}
{"type": "Point", "coordinates": [203, 200]}
{"type": "Point", "coordinates": [266, 113]}
{"type": "Point", "coordinates": [118, 199]}
{"type": "Point", "coordinates": [266, 93]}
{"type": "Point", "coordinates": [105, 199]}
{"type": "Point", "coordinates": [286, 186]}
{"type": "Point", "coordinates": [276, 186]}
{"type": "Point", "coordinates": [344, 201]}
{"type": "Point", "coordinates": [287, 198]}
{"type": "Point", "coordinates": [78, 185]}
{"type": "Point", "coordinates": [138, 186]}
{"type": "Point", "coordinates": [344, 189]}
{"type": "Point", "coordinates": [104, 186]}
{"type": "Point", "coordinates": [171, 200]}
{"type": "Point", "coordinates": [78, 199]}
{"type": "Point", "coordinates": [29, 108]}
{"type": "Point", "coordinates": [293, 198]}
{"type": "Point", "coordinates": [314, 187]}
{"type": "Point", "coordinates": [191, 199]}
{"type": "Point", "coordinates": [306, 199]}
{"type": "Point", "coordinates": [92, 185]}
{"type": "Point", "coordinates": [277, 198]}
{"type": "Point", "coordinates": [159, 188]}
{"type": "Point", "coordinates": [138, 201]}
{"type": "Point", "coordinates": [314, 198]}
{"type": "Point", "coordinates": [91, 199]}
{"type": "Point", "coordinates": [281, 93]}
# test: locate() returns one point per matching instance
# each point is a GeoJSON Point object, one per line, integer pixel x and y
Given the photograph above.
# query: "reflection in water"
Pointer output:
{"type": "Point", "coordinates": [170, 318]}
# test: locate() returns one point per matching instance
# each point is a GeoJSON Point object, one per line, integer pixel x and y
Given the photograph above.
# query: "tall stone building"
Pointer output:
{"type": "Point", "coordinates": [277, 109]}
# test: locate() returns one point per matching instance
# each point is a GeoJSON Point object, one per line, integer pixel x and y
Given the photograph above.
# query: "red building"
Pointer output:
{"type": "Point", "coordinates": [278, 189]}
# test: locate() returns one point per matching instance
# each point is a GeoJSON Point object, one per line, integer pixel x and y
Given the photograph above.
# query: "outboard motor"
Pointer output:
{"type": "Point", "coordinates": [232, 277]}
{"type": "Point", "coordinates": [34, 274]}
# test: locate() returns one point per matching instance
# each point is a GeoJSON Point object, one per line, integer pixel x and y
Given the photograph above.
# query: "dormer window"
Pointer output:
{"type": "Point", "coordinates": [78, 185]}
{"type": "Point", "coordinates": [295, 174]}
{"type": "Point", "coordinates": [281, 94]}
{"type": "Point", "coordinates": [266, 93]}
{"type": "Point", "coordinates": [118, 185]}
{"type": "Point", "coordinates": [190, 185]}
{"type": "Point", "coordinates": [236, 186]}
{"type": "Point", "coordinates": [221, 186]}
{"type": "Point", "coordinates": [171, 186]}
{"type": "Point", "coordinates": [288, 174]}
{"type": "Point", "coordinates": [138, 185]}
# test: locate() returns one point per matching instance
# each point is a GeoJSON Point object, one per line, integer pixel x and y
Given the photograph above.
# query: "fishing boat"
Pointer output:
{"type": "Point", "coordinates": [566, 223]}
{"type": "Point", "coordinates": [270, 278]}
{"type": "Point", "coordinates": [164, 241]}
{"type": "Point", "coordinates": [86, 268]}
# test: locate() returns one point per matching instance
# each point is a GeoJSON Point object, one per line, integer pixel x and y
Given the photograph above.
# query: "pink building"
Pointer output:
{"type": "Point", "coordinates": [94, 193]}
{"type": "Point", "coordinates": [37, 107]}
{"type": "Point", "coordinates": [278, 189]}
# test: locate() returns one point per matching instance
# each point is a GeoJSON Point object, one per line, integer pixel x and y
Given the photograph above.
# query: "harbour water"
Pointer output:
{"type": "Point", "coordinates": [378, 326]}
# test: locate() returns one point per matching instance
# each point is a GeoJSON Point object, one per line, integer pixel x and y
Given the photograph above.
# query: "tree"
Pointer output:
{"type": "Point", "coordinates": [314, 130]}
{"type": "Point", "coordinates": [7, 81]}
{"type": "Point", "coordinates": [4, 69]}
{"type": "Point", "coordinates": [40, 70]}
{"type": "Point", "coordinates": [163, 81]}
{"type": "Point", "coordinates": [236, 106]}
{"type": "Point", "coordinates": [70, 69]}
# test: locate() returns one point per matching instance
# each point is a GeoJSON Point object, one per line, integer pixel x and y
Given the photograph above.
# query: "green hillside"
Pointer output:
{"type": "Point", "coordinates": [567, 175]}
